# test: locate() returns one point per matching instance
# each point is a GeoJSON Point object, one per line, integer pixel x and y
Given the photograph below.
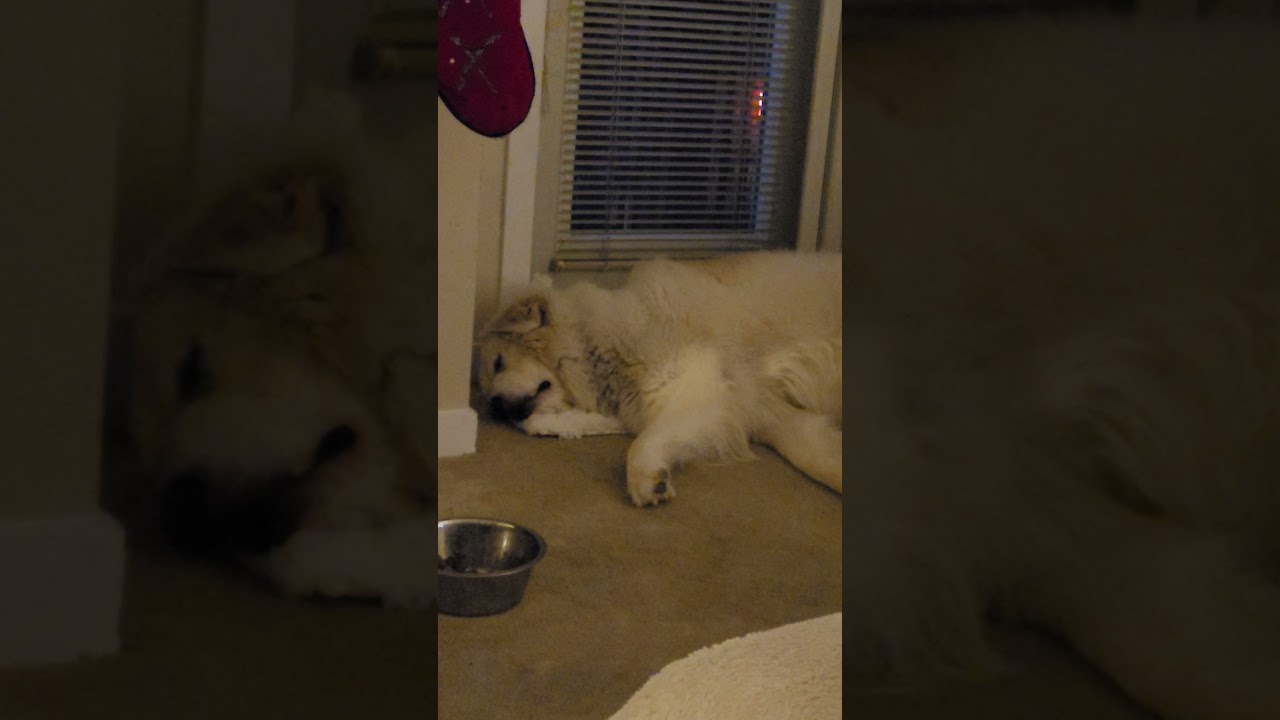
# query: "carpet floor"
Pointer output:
{"type": "Point", "coordinates": [199, 643]}
{"type": "Point", "coordinates": [624, 591]}
{"type": "Point", "coordinates": [621, 593]}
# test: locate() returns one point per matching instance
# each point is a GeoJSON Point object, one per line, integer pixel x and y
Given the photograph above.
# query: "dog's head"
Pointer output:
{"type": "Point", "coordinates": [246, 434]}
{"type": "Point", "coordinates": [517, 364]}
{"type": "Point", "coordinates": [246, 414]}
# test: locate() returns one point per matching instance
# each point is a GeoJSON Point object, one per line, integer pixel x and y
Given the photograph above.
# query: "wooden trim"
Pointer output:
{"type": "Point", "coordinates": [456, 431]}
{"type": "Point", "coordinates": [815, 162]}
{"type": "Point", "coordinates": [522, 167]}
{"type": "Point", "coordinates": [831, 233]}
{"type": "Point", "coordinates": [63, 588]}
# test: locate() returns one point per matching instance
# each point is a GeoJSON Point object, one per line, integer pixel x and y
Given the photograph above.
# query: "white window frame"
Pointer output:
{"type": "Point", "coordinates": [534, 148]}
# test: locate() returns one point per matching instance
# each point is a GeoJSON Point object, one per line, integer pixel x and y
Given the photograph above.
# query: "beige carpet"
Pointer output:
{"type": "Point", "coordinates": [201, 644]}
{"type": "Point", "coordinates": [622, 591]}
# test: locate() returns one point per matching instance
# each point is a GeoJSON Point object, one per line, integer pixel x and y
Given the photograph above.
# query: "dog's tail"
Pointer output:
{"type": "Point", "coordinates": [808, 374]}
{"type": "Point", "coordinates": [1164, 414]}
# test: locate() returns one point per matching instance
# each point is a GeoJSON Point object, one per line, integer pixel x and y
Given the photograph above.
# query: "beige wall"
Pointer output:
{"type": "Point", "coordinates": [59, 75]}
{"type": "Point", "coordinates": [158, 117]}
{"type": "Point", "coordinates": [159, 104]}
{"type": "Point", "coordinates": [469, 226]}
{"type": "Point", "coordinates": [493, 166]}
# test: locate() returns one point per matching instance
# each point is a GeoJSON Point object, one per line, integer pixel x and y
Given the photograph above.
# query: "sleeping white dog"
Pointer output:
{"type": "Point", "coordinates": [282, 371]}
{"type": "Point", "coordinates": [697, 359]}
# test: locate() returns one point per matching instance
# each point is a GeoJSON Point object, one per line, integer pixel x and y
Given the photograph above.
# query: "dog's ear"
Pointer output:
{"type": "Point", "coordinates": [541, 282]}
{"type": "Point", "coordinates": [280, 219]}
{"type": "Point", "coordinates": [314, 195]}
{"type": "Point", "coordinates": [527, 315]}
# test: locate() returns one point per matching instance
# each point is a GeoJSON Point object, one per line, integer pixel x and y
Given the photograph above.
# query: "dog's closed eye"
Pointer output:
{"type": "Point", "coordinates": [337, 441]}
{"type": "Point", "coordinates": [497, 365]}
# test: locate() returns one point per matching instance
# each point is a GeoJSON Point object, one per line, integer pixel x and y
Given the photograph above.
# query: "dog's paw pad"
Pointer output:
{"type": "Point", "coordinates": [653, 491]}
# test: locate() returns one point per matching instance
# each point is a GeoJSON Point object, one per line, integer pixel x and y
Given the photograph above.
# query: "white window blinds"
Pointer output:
{"type": "Point", "coordinates": [679, 129]}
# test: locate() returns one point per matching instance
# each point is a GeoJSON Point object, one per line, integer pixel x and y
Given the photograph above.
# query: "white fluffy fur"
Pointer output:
{"type": "Point", "coordinates": [299, 335]}
{"type": "Point", "coordinates": [1112, 481]}
{"type": "Point", "coordinates": [1064, 355]}
{"type": "Point", "coordinates": [696, 359]}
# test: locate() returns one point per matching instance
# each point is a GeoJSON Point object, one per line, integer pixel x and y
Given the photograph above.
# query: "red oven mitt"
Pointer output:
{"type": "Point", "coordinates": [486, 72]}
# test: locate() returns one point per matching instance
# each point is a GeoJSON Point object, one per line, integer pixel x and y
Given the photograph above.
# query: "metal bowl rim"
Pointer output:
{"type": "Point", "coordinates": [542, 548]}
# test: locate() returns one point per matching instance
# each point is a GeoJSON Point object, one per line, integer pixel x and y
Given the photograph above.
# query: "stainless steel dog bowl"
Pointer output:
{"type": "Point", "coordinates": [484, 565]}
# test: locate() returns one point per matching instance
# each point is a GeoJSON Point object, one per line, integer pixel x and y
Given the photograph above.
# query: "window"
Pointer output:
{"type": "Point", "coordinates": [682, 128]}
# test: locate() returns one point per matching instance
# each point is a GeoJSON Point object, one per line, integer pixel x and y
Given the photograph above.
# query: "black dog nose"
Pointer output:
{"type": "Point", "coordinates": [204, 519]}
{"type": "Point", "coordinates": [502, 411]}
{"type": "Point", "coordinates": [263, 520]}
{"type": "Point", "coordinates": [186, 512]}
{"type": "Point", "coordinates": [522, 410]}
{"type": "Point", "coordinates": [338, 440]}
{"type": "Point", "coordinates": [497, 409]}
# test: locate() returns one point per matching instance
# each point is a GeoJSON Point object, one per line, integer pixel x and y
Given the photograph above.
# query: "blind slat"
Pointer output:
{"type": "Point", "coordinates": [668, 73]}
{"type": "Point", "coordinates": [586, 205]}
{"type": "Point", "coordinates": [676, 62]}
{"type": "Point", "coordinates": [654, 242]}
{"type": "Point", "coordinates": [704, 163]}
{"type": "Point", "coordinates": [578, 9]}
{"type": "Point", "coordinates": [683, 21]}
{"type": "Point", "coordinates": [691, 36]}
{"type": "Point", "coordinates": [681, 57]}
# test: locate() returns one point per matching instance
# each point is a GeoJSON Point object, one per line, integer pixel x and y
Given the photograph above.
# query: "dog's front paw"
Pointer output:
{"type": "Point", "coordinates": [549, 425]}
{"type": "Point", "coordinates": [391, 564]}
{"type": "Point", "coordinates": [571, 423]}
{"type": "Point", "coordinates": [649, 487]}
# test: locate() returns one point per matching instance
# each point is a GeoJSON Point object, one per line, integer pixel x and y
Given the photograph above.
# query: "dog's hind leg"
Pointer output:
{"type": "Point", "coordinates": [691, 415]}
{"type": "Point", "coordinates": [1187, 623]}
{"type": "Point", "coordinates": [809, 442]}
{"type": "Point", "coordinates": [670, 441]}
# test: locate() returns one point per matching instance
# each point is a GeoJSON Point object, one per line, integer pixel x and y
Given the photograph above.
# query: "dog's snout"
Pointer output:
{"type": "Point", "coordinates": [202, 518]}
{"type": "Point", "coordinates": [503, 411]}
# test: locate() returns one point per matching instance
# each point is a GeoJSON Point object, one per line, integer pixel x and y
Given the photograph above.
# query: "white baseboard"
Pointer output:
{"type": "Point", "coordinates": [457, 432]}
{"type": "Point", "coordinates": [62, 588]}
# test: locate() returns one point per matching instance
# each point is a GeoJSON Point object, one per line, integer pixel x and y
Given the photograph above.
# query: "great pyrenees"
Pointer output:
{"type": "Point", "coordinates": [1082, 437]}
{"type": "Point", "coordinates": [283, 375]}
{"type": "Point", "coordinates": [696, 359]}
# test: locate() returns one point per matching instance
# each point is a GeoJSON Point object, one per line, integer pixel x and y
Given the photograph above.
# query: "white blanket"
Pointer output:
{"type": "Point", "coordinates": [791, 672]}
